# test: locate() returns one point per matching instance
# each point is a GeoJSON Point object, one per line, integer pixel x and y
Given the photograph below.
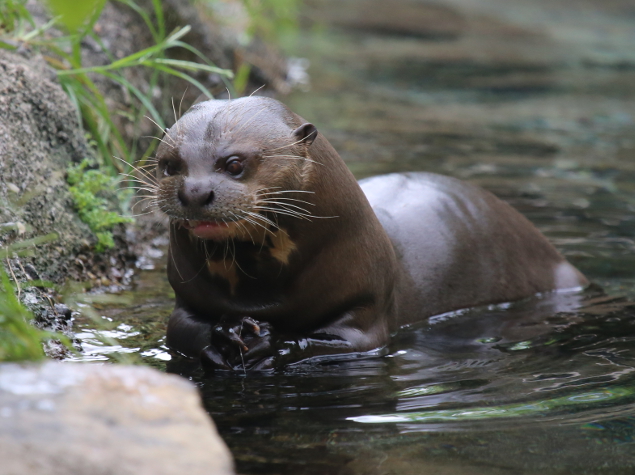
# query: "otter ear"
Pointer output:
{"type": "Point", "coordinates": [306, 133]}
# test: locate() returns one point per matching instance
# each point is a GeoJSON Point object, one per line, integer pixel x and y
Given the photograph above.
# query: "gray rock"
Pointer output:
{"type": "Point", "coordinates": [67, 418]}
{"type": "Point", "coordinates": [40, 138]}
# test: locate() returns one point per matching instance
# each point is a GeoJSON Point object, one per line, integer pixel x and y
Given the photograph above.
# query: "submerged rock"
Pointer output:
{"type": "Point", "coordinates": [64, 418]}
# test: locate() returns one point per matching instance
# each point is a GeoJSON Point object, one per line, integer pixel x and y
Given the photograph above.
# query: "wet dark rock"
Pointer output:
{"type": "Point", "coordinates": [61, 418]}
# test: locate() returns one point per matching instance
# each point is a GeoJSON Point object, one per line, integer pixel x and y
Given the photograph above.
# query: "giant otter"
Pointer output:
{"type": "Point", "coordinates": [277, 254]}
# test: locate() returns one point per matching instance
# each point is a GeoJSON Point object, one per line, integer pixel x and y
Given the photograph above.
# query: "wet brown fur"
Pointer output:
{"type": "Point", "coordinates": [319, 260]}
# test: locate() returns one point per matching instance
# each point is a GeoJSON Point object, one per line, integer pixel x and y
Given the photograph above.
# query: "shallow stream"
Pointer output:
{"type": "Point", "coordinates": [534, 102]}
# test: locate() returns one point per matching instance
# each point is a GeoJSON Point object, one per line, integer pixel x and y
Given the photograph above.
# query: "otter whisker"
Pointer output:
{"type": "Point", "coordinates": [208, 253]}
{"type": "Point", "coordinates": [149, 165]}
{"type": "Point", "coordinates": [181, 101]}
{"type": "Point", "coordinates": [140, 184]}
{"type": "Point", "coordinates": [144, 173]}
{"type": "Point", "coordinates": [284, 212]}
{"type": "Point", "coordinates": [282, 203]}
{"type": "Point", "coordinates": [257, 90]}
{"type": "Point", "coordinates": [242, 225]}
{"type": "Point", "coordinates": [176, 120]}
{"type": "Point", "coordinates": [264, 219]}
{"type": "Point", "coordinates": [146, 198]}
{"type": "Point", "coordinates": [144, 213]}
{"type": "Point", "coordinates": [246, 229]}
{"type": "Point", "coordinates": [145, 205]}
{"type": "Point", "coordinates": [295, 213]}
{"type": "Point", "coordinates": [155, 123]}
{"type": "Point", "coordinates": [176, 245]}
{"type": "Point", "coordinates": [140, 181]}
{"type": "Point", "coordinates": [255, 223]}
{"type": "Point", "coordinates": [287, 207]}
{"type": "Point", "coordinates": [147, 176]}
{"type": "Point", "coordinates": [258, 220]}
{"type": "Point", "coordinates": [203, 245]}
{"type": "Point", "coordinates": [288, 191]}
{"type": "Point", "coordinates": [156, 198]}
{"type": "Point", "coordinates": [292, 144]}
{"type": "Point", "coordinates": [293, 157]}
{"type": "Point", "coordinates": [143, 188]}
{"type": "Point", "coordinates": [165, 133]}
{"type": "Point", "coordinates": [195, 275]}
{"type": "Point", "coordinates": [136, 215]}
{"type": "Point", "coordinates": [172, 254]}
{"type": "Point", "coordinates": [151, 199]}
{"type": "Point", "coordinates": [232, 252]}
{"type": "Point", "coordinates": [143, 180]}
{"type": "Point", "coordinates": [225, 250]}
{"type": "Point", "coordinates": [235, 262]}
{"type": "Point", "coordinates": [266, 200]}
{"type": "Point", "coordinates": [265, 197]}
{"type": "Point", "coordinates": [312, 216]}
{"type": "Point", "coordinates": [160, 140]}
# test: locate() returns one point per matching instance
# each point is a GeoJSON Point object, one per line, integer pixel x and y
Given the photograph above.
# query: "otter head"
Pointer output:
{"type": "Point", "coordinates": [235, 169]}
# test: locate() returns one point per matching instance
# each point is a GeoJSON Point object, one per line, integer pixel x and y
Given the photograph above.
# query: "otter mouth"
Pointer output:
{"type": "Point", "coordinates": [207, 229]}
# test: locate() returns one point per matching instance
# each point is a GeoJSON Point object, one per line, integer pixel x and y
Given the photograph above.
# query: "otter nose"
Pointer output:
{"type": "Point", "coordinates": [196, 194]}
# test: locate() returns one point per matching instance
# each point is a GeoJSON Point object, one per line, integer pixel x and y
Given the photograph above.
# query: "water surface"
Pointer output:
{"type": "Point", "coordinates": [534, 102]}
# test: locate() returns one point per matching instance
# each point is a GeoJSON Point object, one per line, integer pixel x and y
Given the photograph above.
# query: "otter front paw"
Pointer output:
{"type": "Point", "coordinates": [239, 344]}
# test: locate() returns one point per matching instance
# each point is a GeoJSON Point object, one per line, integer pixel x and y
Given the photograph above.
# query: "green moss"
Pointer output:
{"type": "Point", "coordinates": [19, 340]}
{"type": "Point", "coordinates": [88, 188]}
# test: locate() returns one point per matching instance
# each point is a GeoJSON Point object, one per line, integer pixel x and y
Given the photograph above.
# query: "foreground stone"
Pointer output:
{"type": "Point", "coordinates": [65, 418]}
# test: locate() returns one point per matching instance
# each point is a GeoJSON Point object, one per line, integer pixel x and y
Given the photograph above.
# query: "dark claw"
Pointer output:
{"type": "Point", "coordinates": [234, 338]}
{"type": "Point", "coordinates": [239, 344]}
{"type": "Point", "coordinates": [230, 334]}
{"type": "Point", "coordinates": [260, 348]}
{"type": "Point", "coordinates": [211, 359]}
{"type": "Point", "coordinates": [254, 327]}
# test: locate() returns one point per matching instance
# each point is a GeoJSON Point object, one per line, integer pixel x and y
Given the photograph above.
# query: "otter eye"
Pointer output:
{"type": "Point", "coordinates": [170, 168]}
{"type": "Point", "coordinates": [234, 166]}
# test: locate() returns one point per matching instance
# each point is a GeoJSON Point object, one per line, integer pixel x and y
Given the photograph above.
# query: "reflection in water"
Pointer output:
{"type": "Point", "coordinates": [534, 101]}
{"type": "Point", "coordinates": [488, 390]}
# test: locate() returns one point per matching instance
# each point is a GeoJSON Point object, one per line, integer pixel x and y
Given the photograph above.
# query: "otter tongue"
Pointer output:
{"type": "Point", "coordinates": [208, 229]}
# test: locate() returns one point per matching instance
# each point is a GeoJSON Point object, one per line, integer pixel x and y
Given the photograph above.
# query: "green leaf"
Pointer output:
{"type": "Point", "coordinates": [187, 77]}
{"type": "Point", "coordinates": [192, 66]}
{"type": "Point", "coordinates": [74, 15]}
